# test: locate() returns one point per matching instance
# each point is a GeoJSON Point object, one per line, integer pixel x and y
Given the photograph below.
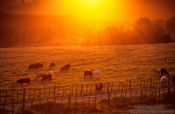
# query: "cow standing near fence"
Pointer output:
{"type": "Point", "coordinates": [45, 76]}
{"type": "Point", "coordinates": [89, 75]}
{"type": "Point", "coordinates": [23, 81]}
{"type": "Point", "coordinates": [65, 68]}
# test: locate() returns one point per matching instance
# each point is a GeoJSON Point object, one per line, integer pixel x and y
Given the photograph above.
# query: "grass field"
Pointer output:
{"type": "Point", "coordinates": [117, 63]}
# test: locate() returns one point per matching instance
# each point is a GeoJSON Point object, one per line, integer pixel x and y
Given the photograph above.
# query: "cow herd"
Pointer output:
{"type": "Point", "coordinates": [48, 75]}
{"type": "Point", "coordinates": [88, 75]}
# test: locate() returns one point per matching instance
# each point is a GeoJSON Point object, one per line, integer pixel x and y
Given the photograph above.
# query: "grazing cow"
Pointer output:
{"type": "Point", "coordinates": [163, 71]}
{"type": "Point", "coordinates": [96, 72]}
{"type": "Point", "coordinates": [88, 75]}
{"type": "Point", "coordinates": [45, 76]}
{"type": "Point", "coordinates": [23, 80]}
{"type": "Point", "coordinates": [164, 81]}
{"type": "Point", "coordinates": [35, 66]}
{"type": "Point", "coordinates": [52, 65]}
{"type": "Point", "coordinates": [99, 87]}
{"type": "Point", "coordinates": [65, 68]}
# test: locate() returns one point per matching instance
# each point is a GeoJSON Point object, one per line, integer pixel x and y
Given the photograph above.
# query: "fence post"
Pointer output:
{"type": "Point", "coordinates": [151, 83]}
{"type": "Point", "coordinates": [108, 87]}
{"type": "Point", "coordinates": [141, 96]}
{"type": "Point", "coordinates": [112, 87]}
{"type": "Point", "coordinates": [54, 92]}
{"type": "Point", "coordinates": [159, 94]}
{"type": "Point", "coordinates": [168, 87]}
{"type": "Point", "coordinates": [81, 89]}
{"type": "Point", "coordinates": [109, 97]}
{"type": "Point", "coordinates": [95, 99]}
{"type": "Point", "coordinates": [89, 101]}
{"type": "Point", "coordinates": [72, 89]}
{"type": "Point", "coordinates": [13, 107]}
{"type": "Point", "coordinates": [75, 102]}
{"type": "Point", "coordinates": [129, 84]}
{"type": "Point", "coordinates": [4, 105]}
{"type": "Point", "coordinates": [23, 106]}
{"type": "Point", "coordinates": [69, 101]}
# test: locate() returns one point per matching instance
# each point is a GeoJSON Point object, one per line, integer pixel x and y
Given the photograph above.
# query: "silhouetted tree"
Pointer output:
{"type": "Point", "coordinates": [159, 33]}
{"type": "Point", "coordinates": [170, 24]}
{"type": "Point", "coordinates": [143, 28]}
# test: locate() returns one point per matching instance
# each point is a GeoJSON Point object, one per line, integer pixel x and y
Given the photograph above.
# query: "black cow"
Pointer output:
{"type": "Point", "coordinates": [88, 75]}
{"type": "Point", "coordinates": [163, 71]}
{"type": "Point", "coordinates": [46, 77]}
{"type": "Point", "coordinates": [65, 68]}
{"type": "Point", "coordinates": [23, 80]}
{"type": "Point", "coordinates": [52, 65]}
{"type": "Point", "coordinates": [35, 66]}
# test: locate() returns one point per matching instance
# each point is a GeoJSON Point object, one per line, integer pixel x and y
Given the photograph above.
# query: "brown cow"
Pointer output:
{"type": "Point", "coordinates": [65, 68]}
{"type": "Point", "coordinates": [23, 80]}
{"type": "Point", "coordinates": [45, 76]}
{"type": "Point", "coordinates": [52, 65]}
{"type": "Point", "coordinates": [35, 66]}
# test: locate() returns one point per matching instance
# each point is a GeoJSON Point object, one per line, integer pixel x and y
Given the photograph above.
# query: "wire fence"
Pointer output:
{"type": "Point", "coordinates": [71, 95]}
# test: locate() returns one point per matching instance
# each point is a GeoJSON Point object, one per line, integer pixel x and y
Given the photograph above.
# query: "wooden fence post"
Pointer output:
{"type": "Point", "coordinates": [108, 87]}
{"type": "Point", "coordinates": [150, 90]}
{"type": "Point", "coordinates": [141, 96]}
{"type": "Point", "coordinates": [89, 101]}
{"type": "Point", "coordinates": [13, 107]}
{"type": "Point", "coordinates": [63, 91]}
{"type": "Point", "coordinates": [4, 105]}
{"type": "Point", "coordinates": [101, 100]}
{"type": "Point", "coordinates": [75, 102]}
{"type": "Point", "coordinates": [156, 94]}
{"type": "Point", "coordinates": [112, 87]}
{"type": "Point", "coordinates": [72, 89]}
{"type": "Point", "coordinates": [69, 101]}
{"type": "Point", "coordinates": [159, 93]}
{"type": "Point", "coordinates": [150, 83]}
{"type": "Point", "coordinates": [129, 84]}
{"type": "Point", "coordinates": [81, 89]}
{"type": "Point", "coordinates": [23, 106]}
{"type": "Point", "coordinates": [109, 97]}
{"type": "Point", "coordinates": [168, 87]}
{"type": "Point", "coordinates": [95, 100]}
{"type": "Point", "coordinates": [54, 92]}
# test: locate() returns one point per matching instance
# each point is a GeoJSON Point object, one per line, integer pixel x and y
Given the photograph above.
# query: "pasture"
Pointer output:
{"type": "Point", "coordinates": [117, 63]}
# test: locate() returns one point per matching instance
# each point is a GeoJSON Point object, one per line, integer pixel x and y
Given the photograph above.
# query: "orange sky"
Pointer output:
{"type": "Point", "coordinates": [110, 10]}
{"type": "Point", "coordinates": [79, 16]}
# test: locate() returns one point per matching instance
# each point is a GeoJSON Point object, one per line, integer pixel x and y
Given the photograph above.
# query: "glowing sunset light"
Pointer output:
{"type": "Point", "coordinates": [91, 3]}
{"type": "Point", "coordinates": [89, 10]}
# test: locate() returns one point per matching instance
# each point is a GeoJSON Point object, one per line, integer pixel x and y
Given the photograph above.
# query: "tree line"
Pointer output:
{"type": "Point", "coordinates": [51, 31]}
{"type": "Point", "coordinates": [143, 31]}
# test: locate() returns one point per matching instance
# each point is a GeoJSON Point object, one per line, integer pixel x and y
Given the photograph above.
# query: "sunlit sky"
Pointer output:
{"type": "Point", "coordinates": [102, 10]}
{"type": "Point", "coordinates": [85, 15]}
{"type": "Point", "coordinates": [107, 10]}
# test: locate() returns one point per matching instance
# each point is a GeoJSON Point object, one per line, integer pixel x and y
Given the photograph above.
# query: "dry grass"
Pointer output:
{"type": "Point", "coordinates": [115, 62]}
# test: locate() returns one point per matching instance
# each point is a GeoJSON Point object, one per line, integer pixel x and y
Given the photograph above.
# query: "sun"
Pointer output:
{"type": "Point", "coordinates": [97, 13]}
{"type": "Point", "coordinates": [91, 3]}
